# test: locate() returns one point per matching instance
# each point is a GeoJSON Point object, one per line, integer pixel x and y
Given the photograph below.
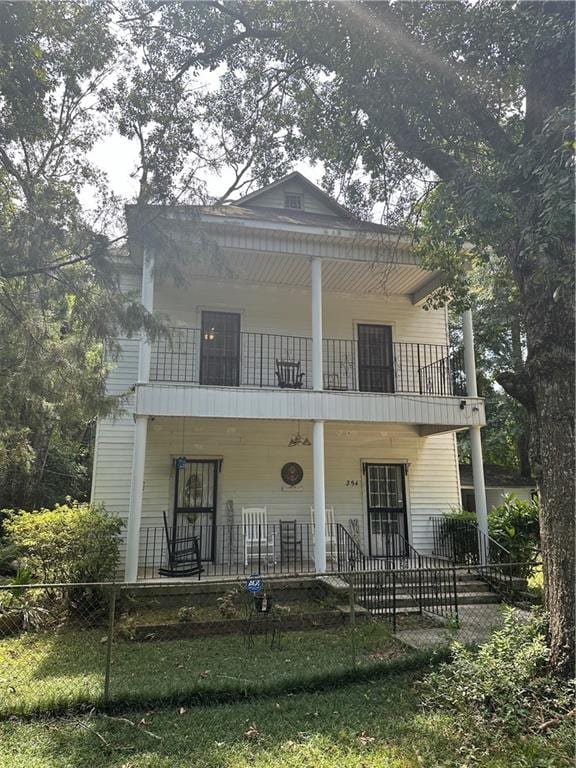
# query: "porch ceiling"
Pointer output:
{"type": "Point", "coordinates": [337, 276]}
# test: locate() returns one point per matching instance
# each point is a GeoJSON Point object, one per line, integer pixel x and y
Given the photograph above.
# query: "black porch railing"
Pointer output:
{"type": "Point", "coordinates": [462, 543]}
{"type": "Point", "coordinates": [402, 581]}
{"type": "Point", "coordinates": [257, 359]}
{"type": "Point", "coordinates": [285, 547]}
{"type": "Point", "coordinates": [422, 582]}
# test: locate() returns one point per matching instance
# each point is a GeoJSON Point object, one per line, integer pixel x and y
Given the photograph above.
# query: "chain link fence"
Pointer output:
{"type": "Point", "coordinates": [67, 646]}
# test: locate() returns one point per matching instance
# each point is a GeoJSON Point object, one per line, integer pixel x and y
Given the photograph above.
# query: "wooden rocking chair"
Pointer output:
{"type": "Point", "coordinates": [183, 553]}
{"type": "Point", "coordinates": [289, 374]}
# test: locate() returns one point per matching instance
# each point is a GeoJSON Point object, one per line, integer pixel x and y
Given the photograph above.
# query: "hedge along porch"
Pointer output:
{"type": "Point", "coordinates": [223, 465]}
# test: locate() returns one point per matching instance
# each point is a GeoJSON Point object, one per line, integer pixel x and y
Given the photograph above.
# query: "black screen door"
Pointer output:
{"type": "Point", "coordinates": [195, 503]}
{"type": "Point", "coordinates": [220, 349]}
{"type": "Point", "coordinates": [386, 498]}
{"type": "Point", "coordinates": [375, 358]}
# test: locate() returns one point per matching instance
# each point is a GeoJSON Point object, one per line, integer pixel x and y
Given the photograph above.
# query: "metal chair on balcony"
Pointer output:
{"type": "Point", "coordinates": [289, 374]}
{"type": "Point", "coordinates": [258, 535]}
{"type": "Point", "coordinates": [183, 552]}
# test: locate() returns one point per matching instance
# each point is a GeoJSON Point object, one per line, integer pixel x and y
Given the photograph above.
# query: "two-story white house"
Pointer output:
{"type": "Point", "coordinates": [303, 400]}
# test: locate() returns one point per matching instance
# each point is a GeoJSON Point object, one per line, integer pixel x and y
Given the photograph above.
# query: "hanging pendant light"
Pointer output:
{"type": "Point", "coordinates": [298, 439]}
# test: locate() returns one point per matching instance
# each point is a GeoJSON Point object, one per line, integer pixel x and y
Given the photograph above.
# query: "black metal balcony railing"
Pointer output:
{"type": "Point", "coordinates": [252, 360]}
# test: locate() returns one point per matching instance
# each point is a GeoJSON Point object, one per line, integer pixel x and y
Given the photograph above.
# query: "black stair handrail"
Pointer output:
{"type": "Point", "coordinates": [425, 578]}
{"type": "Point", "coordinates": [349, 554]}
{"type": "Point", "coordinates": [434, 587]}
{"type": "Point", "coordinates": [492, 562]}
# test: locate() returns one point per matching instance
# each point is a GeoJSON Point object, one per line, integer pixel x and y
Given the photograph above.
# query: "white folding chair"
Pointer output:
{"type": "Point", "coordinates": [330, 532]}
{"type": "Point", "coordinates": [258, 539]}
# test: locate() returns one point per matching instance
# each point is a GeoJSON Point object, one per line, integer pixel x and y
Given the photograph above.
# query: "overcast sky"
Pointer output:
{"type": "Point", "coordinates": [118, 158]}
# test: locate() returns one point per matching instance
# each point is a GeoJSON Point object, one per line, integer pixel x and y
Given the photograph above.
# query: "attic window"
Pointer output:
{"type": "Point", "coordinates": [293, 201]}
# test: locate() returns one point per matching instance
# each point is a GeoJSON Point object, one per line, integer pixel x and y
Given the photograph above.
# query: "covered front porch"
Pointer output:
{"type": "Point", "coordinates": [245, 491]}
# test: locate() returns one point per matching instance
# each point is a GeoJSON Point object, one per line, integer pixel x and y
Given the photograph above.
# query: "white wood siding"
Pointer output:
{"type": "Point", "coordinates": [275, 198]}
{"type": "Point", "coordinates": [253, 454]}
{"type": "Point", "coordinates": [274, 309]}
{"type": "Point", "coordinates": [112, 466]}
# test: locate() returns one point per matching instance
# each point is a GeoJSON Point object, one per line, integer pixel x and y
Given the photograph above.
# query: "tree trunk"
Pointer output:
{"type": "Point", "coordinates": [550, 367]}
{"type": "Point", "coordinates": [554, 451]}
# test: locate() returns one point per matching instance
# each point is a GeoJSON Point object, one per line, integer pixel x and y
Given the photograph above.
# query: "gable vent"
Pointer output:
{"type": "Point", "coordinates": [293, 201]}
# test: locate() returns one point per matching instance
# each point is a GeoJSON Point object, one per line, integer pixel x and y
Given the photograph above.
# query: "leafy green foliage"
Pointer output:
{"type": "Point", "coordinates": [70, 543]}
{"type": "Point", "coordinates": [503, 684]}
{"type": "Point", "coordinates": [515, 525]}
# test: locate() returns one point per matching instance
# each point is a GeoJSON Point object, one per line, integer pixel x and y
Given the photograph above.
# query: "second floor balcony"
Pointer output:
{"type": "Point", "coordinates": [224, 356]}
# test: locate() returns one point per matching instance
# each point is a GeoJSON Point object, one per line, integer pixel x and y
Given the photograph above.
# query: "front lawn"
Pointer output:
{"type": "Point", "coordinates": [370, 725]}
{"type": "Point", "coordinates": [43, 670]}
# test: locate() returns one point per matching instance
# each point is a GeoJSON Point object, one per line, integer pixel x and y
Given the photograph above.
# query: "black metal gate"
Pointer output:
{"type": "Point", "coordinates": [195, 502]}
{"type": "Point", "coordinates": [386, 500]}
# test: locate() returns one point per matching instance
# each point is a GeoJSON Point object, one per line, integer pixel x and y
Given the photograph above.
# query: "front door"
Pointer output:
{"type": "Point", "coordinates": [220, 349]}
{"type": "Point", "coordinates": [387, 529]}
{"type": "Point", "coordinates": [195, 503]}
{"type": "Point", "coordinates": [375, 358]}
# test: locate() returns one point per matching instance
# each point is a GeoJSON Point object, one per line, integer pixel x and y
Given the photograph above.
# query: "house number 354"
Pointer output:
{"type": "Point", "coordinates": [351, 482]}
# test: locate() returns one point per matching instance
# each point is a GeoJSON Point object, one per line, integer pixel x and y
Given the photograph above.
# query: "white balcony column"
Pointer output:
{"type": "Point", "coordinates": [475, 437]}
{"type": "Point", "coordinates": [147, 301]}
{"type": "Point", "coordinates": [136, 493]}
{"type": "Point", "coordinates": [317, 376]}
{"type": "Point", "coordinates": [319, 498]}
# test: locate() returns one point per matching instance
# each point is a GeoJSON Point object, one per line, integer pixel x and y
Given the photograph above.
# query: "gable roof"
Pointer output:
{"type": "Point", "coordinates": [254, 197]}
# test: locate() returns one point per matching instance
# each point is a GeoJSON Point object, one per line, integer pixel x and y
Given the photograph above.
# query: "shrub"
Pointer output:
{"type": "Point", "coordinates": [502, 684]}
{"type": "Point", "coordinates": [20, 608]}
{"type": "Point", "coordinates": [514, 524]}
{"type": "Point", "coordinates": [70, 543]}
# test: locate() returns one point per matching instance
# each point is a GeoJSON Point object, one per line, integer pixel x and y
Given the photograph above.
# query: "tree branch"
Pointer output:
{"type": "Point", "coordinates": [518, 386]}
{"type": "Point", "coordinates": [395, 34]}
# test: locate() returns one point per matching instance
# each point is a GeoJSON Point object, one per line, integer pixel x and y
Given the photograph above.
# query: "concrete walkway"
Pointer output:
{"type": "Point", "coordinates": [477, 622]}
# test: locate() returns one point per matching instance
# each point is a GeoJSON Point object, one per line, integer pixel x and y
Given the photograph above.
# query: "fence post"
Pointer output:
{"type": "Point", "coordinates": [455, 585]}
{"type": "Point", "coordinates": [352, 607]}
{"type": "Point", "coordinates": [420, 583]}
{"type": "Point", "coordinates": [394, 600]}
{"type": "Point", "coordinates": [109, 640]}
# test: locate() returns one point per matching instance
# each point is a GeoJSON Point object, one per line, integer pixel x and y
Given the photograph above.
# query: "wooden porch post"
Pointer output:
{"type": "Point", "coordinates": [317, 377]}
{"type": "Point", "coordinates": [136, 493]}
{"type": "Point", "coordinates": [140, 432]}
{"type": "Point", "coordinates": [475, 436]}
{"type": "Point", "coordinates": [147, 300]}
{"type": "Point", "coordinates": [319, 498]}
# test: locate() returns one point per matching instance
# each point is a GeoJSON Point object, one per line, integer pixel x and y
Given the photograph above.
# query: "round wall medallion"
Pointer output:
{"type": "Point", "coordinates": [292, 473]}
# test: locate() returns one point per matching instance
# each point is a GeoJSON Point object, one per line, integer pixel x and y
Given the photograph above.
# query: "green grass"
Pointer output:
{"type": "Point", "coordinates": [55, 669]}
{"type": "Point", "coordinates": [369, 725]}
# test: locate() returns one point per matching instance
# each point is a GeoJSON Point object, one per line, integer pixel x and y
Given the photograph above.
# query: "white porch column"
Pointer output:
{"type": "Point", "coordinates": [147, 301]}
{"type": "Point", "coordinates": [140, 431]}
{"type": "Point", "coordinates": [317, 377]}
{"type": "Point", "coordinates": [136, 492]}
{"type": "Point", "coordinates": [319, 498]}
{"type": "Point", "coordinates": [475, 437]}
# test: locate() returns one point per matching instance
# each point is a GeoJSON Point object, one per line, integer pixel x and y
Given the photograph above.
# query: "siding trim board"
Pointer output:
{"type": "Point", "coordinates": [242, 402]}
